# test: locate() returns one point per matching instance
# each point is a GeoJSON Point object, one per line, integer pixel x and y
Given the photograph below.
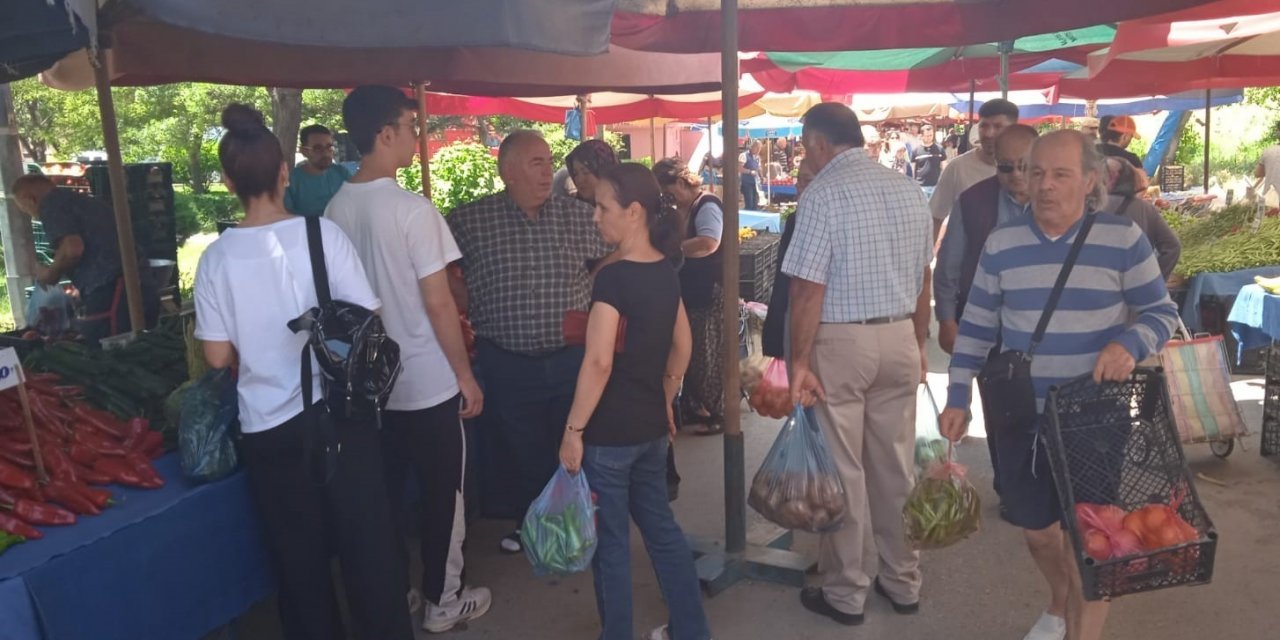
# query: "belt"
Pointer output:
{"type": "Point", "coordinates": [884, 320]}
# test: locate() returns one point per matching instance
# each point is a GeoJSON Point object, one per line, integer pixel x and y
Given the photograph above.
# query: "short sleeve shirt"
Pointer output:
{"type": "Point", "coordinates": [250, 283]}
{"type": "Point", "coordinates": [308, 194]}
{"type": "Point", "coordinates": [401, 238]}
{"type": "Point", "coordinates": [523, 273]}
{"type": "Point", "coordinates": [66, 213]}
{"type": "Point", "coordinates": [1112, 151]}
{"type": "Point", "coordinates": [632, 409]}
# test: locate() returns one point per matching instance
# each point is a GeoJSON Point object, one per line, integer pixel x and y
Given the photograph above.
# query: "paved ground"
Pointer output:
{"type": "Point", "coordinates": [984, 588]}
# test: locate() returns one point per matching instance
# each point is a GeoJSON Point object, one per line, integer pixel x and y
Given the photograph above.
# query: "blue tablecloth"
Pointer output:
{"type": "Point", "coordinates": [781, 190]}
{"type": "Point", "coordinates": [1217, 284]}
{"type": "Point", "coordinates": [762, 220]}
{"type": "Point", "coordinates": [173, 563]}
{"type": "Point", "coordinates": [1255, 318]}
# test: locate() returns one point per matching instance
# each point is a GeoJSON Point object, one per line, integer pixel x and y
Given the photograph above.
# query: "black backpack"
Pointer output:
{"type": "Point", "coordinates": [359, 363]}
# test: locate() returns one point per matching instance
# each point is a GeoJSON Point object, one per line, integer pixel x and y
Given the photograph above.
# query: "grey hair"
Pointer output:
{"type": "Point", "coordinates": [515, 139]}
{"type": "Point", "coordinates": [1091, 161]}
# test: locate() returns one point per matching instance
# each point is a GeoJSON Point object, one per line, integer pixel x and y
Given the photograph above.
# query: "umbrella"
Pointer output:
{"type": "Point", "coordinates": [842, 25]}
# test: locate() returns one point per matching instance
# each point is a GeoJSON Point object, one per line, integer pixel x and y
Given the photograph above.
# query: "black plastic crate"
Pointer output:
{"type": "Point", "coordinates": [1271, 403]}
{"type": "Point", "coordinates": [1116, 444]}
{"type": "Point", "coordinates": [757, 265]}
{"type": "Point", "coordinates": [22, 346]}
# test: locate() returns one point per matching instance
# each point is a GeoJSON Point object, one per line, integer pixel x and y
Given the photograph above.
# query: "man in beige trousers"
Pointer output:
{"type": "Point", "coordinates": [858, 262]}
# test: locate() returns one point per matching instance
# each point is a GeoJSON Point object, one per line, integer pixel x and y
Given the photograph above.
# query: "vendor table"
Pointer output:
{"type": "Point", "coordinates": [172, 563]}
{"type": "Point", "coordinates": [1216, 284]}
{"type": "Point", "coordinates": [1255, 321]}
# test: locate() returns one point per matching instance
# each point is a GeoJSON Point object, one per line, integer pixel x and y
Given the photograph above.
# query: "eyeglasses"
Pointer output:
{"type": "Point", "coordinates": [1005, 167]}
{"type": "Point", "coordinates": [413, 126]}
{"type": "Point", "coordinates": [321, 148]}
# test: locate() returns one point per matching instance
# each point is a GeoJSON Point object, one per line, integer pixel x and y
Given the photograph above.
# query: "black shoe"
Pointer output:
{"type": "Point", "coordinates": [900, 609]}
{"type": "Point", "coordinates": [813, 600]}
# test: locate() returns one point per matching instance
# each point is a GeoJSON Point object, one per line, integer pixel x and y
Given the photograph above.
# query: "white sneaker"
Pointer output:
{"type": "Point", "coordinates": [1048, 627]}
{"type": "Point", "coordinates": [658, 634]}
{"type": "Point", "coordinates": [472, 603]}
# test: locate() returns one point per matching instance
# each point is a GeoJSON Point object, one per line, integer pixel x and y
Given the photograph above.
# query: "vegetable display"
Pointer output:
{"type": "Point", "coordinates": [8, 540]}
{"type": "Point", "coordinates": [943, 508]}
{"type": "Point", "coordinates": [79, 446]}
{"type": "Point", "coordinates": [797, 486]}
{"type": "Point", "coordinates": [771, 396]}
{"type": "Point", "coordinates": [559, 531]}
{"type": "Point", "coordinates": [1225, 241]}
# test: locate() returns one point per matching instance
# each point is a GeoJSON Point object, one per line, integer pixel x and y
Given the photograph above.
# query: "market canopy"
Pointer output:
{"type": "Point", "coordinates": [606, 108]}
{"type": "Point", "coordinates": [862, 25]}
{"type": "Point", "coordinates": [316, 43]}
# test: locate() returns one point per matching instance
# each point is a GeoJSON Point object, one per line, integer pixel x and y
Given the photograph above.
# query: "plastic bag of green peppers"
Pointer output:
{"type": "Point", "coordinates": [559, 531]}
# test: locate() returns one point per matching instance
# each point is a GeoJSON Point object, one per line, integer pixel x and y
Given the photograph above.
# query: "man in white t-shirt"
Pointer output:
{"type": "Point", "coordinates": [975, 166]}
{"type": "Point", "coordinates": [1269, 168]}
{"type": "Point", "coordinates": [405, 246]}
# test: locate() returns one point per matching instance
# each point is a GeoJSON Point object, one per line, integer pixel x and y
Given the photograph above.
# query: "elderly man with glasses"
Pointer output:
{"type": "Point", "coordinates": [313, 183]}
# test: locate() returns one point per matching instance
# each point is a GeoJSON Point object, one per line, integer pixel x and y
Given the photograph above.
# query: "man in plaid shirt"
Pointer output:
{"type": "Point", "coordinates": [859, 309]}
{"type": "Point", "coordinates": [525, 262]}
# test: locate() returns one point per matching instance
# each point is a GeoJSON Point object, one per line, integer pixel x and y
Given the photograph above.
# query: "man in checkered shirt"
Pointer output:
{"type": "Point", "coordinates": [858, 265]}
{"type": "Point", "coordinates": [525, 255]}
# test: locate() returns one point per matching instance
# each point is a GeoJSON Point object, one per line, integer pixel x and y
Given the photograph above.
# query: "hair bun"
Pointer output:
{"type": "Point", "coordinates": [242, 118]}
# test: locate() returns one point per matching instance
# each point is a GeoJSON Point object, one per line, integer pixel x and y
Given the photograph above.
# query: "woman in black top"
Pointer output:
{"type": "Point", "coordinates": [774, 336]}
{"type": "Point", "coordinates": [702, 213]}
{"type": "Point", "coordinates": [621, 418]}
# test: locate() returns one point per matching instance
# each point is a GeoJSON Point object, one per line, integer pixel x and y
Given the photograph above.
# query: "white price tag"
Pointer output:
{"type": "Point", "coordinates": [10, 369]}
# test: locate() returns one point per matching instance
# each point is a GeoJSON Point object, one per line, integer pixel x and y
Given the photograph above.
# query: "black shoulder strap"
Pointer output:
{"type": "Point", "coordinates": [1061, 284]}
{"type": "Point", "coordinates": [1124, 206]}
{"type": "Point", "coordinates": [315, 242]}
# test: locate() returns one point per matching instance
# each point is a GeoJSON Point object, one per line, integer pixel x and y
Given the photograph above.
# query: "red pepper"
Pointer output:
{"type": "Point", "coordinates": [134, 430]}
{"type": "Point", "coordinates": [11, 476]}
{"type": "Point", "coordinates": [82, 454]}
{"type": "Point", "coordinates": [99, 443]}
{"type": "Point", "coordinates": [18, 528]}
{"type": "Point", "coordinates": [33, 494]}
{"type": "Point", "coordinates": [102, 422]}
{"type": "Point", "coordinates": [65, 494]}
{"type": "Point", "coordinates": [119, 471]}
{"type": "Point", "coordinates": [56, 463]}
{"type": "Point", "coordinates": [91, 475]}
{"type": "Point", "coordinates": [15, 445]}
{"type": "Point", "coordinates": [23, 460]}
{"type": "Point", "coordinates": [151, 444]}
{"type": "Point", "coordinates": [141, 465]}
{"type": "Point", "coordinates": [101, 498]}
{"type": "Point", "coordinates": [45, 515]}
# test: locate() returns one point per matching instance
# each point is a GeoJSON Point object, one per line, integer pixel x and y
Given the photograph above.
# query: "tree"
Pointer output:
{"type": "Point", "coordinates": [286, 118]}
{"type": "Point", "coordinates": [56, 124]}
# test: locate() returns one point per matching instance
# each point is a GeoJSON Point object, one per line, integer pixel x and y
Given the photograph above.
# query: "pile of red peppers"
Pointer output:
{"type": "Point", "coordinates": [82, 448]}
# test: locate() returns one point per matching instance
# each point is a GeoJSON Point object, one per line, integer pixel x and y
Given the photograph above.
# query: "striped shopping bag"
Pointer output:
{"type": "Point", "coordinates": [1199, 385]}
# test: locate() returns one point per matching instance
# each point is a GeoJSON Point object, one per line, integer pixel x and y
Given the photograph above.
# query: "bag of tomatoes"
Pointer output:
{"type": "Point", "coordinates": [771, 397]}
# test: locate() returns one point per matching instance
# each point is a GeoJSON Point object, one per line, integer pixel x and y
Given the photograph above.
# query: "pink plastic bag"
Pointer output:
{"type": "Point", "coordinates": [772, 396]}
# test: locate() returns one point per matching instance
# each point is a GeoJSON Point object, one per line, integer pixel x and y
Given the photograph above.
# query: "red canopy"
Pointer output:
{"type": "Point", "coordinates": [849, 25]}
{"type": "Point", "coordinates": [606, 108]}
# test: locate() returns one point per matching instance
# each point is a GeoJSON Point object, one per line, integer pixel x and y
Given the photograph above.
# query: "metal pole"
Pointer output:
{"type": "Point", "coordinates": [15, 228]}
{"type": "Point", "coordinates": [1208, 110]}
{"type": "Point", "coordinates": [424, 148]}
{"type": "Point", "coordinates": [968, 126]}
{"type": "Point", "coordinates": [119, 193]}
{"type": "Point", "coordinates": [735, 507]}
{"type": "Point", "coordinates": [1006, 48]}
{"type": "Point", "coordinates": [653, 141]}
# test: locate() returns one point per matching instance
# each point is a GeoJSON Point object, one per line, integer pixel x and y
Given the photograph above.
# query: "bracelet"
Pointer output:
{"type": "Point", "coordinates": [673, 378]}
{"type": "Point", "coordinates": [569, 427]}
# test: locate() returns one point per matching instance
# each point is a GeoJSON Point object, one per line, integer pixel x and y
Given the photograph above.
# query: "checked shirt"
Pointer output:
{"type": "Point", "coordinates": [523, 274]}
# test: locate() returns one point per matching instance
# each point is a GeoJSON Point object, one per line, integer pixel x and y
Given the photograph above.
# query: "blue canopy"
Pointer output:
{"type": "Point", "coordinates": [1178, 102]}
{"type": "Point", "coordinates": [767, 126]}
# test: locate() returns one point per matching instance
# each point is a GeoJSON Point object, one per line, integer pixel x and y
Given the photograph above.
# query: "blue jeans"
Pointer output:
{"type": "Point", "coordinates": [631, 481]}
{"type": "Point", "coordinates": [527, 401]}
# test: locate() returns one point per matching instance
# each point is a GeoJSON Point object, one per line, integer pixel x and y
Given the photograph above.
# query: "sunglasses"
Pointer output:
{"type": "Point", "coordinates": [1005, 167]}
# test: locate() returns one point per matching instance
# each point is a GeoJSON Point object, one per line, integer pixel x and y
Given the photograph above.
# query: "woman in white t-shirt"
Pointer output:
{"type": "Point", "coordinates": [251, 282]}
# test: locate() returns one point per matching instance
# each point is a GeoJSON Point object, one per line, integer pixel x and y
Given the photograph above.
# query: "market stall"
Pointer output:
{"type": "Point", "coordinates": [1255, 322]}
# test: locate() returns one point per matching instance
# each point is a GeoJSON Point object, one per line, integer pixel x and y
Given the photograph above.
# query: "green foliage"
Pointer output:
{"type": "Point", "coordinates": [200, 212]}
{"type": "Point", "coordinates": [460, 173]}
{"type": "Point", "coordinates": [1240, 133]}
{"type": "Point", "coordinates": [561, 145]}
{"type": "Point", "coordinates": [189, 258]}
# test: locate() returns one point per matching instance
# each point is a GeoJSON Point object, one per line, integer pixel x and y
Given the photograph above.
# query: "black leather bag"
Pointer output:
{"type": "Point", "coordinates": [1008, 394]}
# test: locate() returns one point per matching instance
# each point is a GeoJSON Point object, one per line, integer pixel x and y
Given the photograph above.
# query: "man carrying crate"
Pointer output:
{"type": "Point", "coordinates": [1113, 310]}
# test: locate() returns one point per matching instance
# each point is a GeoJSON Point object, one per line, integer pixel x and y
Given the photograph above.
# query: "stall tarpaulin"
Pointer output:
{"type": "Point", "coordinates": [607, 108]}
{"type": "Point", "coordinates": [849, 25]}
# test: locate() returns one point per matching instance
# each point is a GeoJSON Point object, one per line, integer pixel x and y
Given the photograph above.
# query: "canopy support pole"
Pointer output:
{"type": "Point", "coordinates": [424, 136]}
{"type": "Point", "coordinates": [1005, 48]}
{"type": "Point", "coordinates": [653, 141]}
{"type": "Point", "coordinates": [968, 125]}
{"type": "Point", "coordinates": [722, 564]}
{"type": "Point", "coordinates": [15, 228]}
{"type": "Point", "coordinates": [1208, 110]}
{"type": "Point", "coordinates": [119, 193]}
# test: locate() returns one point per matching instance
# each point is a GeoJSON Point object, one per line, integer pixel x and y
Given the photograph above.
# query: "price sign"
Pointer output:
{"type": "Point", "coordinates": [10, 369]}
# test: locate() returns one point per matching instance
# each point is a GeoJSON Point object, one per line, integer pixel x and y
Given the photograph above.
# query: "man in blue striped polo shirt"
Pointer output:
{"type": "Point", "coordinates": [1113, 312]}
